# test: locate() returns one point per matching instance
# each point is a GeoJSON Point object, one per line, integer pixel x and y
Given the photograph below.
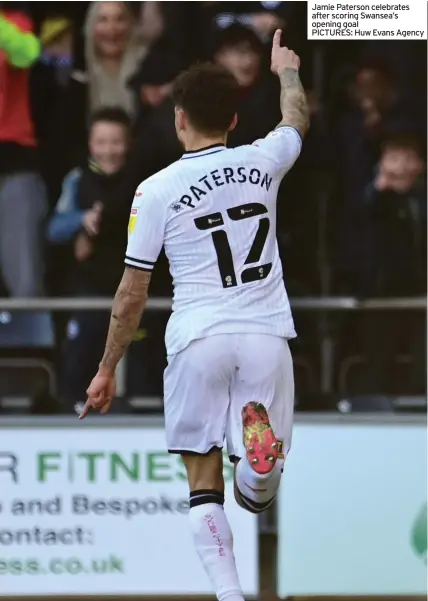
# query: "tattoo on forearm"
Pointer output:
{"type": "Point", "coordinates": [129, 304]}
{"type": "Point", "coordinates": [294, 106]}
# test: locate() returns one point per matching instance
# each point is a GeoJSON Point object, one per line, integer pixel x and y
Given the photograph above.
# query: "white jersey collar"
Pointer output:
{"type": "Point", "coordinates": [202, 152]}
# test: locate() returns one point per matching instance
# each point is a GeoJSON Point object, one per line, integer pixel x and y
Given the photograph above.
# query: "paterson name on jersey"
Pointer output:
{"type": "Point", "coordinates": [214, 212]}
{"type": "Point", "coordinates": [217, 178]}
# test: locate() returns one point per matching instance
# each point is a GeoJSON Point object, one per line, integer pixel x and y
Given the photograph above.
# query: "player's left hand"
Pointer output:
{"type": "Point", "coordinates": [100, 393]}
{"type": "Point", "coordinates": [282, 58]}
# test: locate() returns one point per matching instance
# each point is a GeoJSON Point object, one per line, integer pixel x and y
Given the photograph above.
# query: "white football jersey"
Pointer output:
{"type": "Point", "coordinates": [214, 211]}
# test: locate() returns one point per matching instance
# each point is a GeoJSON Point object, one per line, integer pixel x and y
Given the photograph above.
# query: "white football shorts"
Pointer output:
{"type": "Point", "coordinates": [207, 384]}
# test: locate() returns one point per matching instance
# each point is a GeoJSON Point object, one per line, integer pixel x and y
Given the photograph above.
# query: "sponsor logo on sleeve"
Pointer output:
{"type": "Point", "coordinates": [132, 220]}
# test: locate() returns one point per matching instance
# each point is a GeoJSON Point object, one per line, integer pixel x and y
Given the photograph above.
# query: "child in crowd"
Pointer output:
{"type": "Point", "coordinates": [91, 217]}
{"type": "Point", "coordinates": [92, 201]}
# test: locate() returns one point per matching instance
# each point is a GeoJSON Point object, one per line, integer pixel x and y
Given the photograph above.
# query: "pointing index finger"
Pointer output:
{"type": "Point", "coordinates": [276, 43]}
{"type": "Point", "coordinates": [85, 410]}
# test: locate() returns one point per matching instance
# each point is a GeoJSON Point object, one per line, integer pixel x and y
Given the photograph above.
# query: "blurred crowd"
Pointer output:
{"type": "Point", "coordinates": [86, 114]}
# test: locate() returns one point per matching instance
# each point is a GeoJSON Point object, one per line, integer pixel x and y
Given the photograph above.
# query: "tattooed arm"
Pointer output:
{"type": "Point", "coordinates": [294, 107]}
{"type": "Point", "coordinates": [129, 303]}
{"type": "Point", "coordinates": [146, 232]}
{"type": "Point", "coordinates": [128, 306]}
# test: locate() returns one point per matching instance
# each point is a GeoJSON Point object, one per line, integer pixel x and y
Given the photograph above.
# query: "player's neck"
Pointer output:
{"type": "Point", "coordinates": [197, 142]}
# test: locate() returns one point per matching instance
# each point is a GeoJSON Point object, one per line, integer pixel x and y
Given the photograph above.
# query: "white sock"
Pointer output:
{"type": "Point", "coordinates": [260, 488]}
{"type": "Point", "coordinates": [214, 544]}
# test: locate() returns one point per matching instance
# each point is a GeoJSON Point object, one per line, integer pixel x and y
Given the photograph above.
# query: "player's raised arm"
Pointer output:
{"type": "Point", "coordinates": [294, 107]}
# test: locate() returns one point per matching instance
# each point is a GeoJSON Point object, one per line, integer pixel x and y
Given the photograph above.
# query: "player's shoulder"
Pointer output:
{"type": "Point", "coordinates": [282, 135]}
{"type": "Point", "coordinates": [281, 147]}
{"type": "Point", "coordinates": [247, 154]}
{"type": "Point", "coordinates": [159, 184]}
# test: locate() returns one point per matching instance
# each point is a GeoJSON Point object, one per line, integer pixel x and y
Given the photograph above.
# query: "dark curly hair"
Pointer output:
{"type": "Point", "coordinates": [209, 95]}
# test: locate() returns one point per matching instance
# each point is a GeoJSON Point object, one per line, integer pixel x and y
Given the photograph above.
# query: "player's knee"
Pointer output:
{"type": "Point", "coordinates": [250, 505]}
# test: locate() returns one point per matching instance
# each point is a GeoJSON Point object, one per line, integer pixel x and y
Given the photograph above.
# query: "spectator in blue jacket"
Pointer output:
{"type": "Point", "coordinates": [93, 209]}
{"type": "Point", "coordinates": [91, 216]}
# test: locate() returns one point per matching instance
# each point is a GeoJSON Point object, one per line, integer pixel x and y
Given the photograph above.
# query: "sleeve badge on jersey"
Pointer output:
{"type": "Point", "coordinates": [177, 207]}
{"type": "Point", "coordinates": [132, 220]}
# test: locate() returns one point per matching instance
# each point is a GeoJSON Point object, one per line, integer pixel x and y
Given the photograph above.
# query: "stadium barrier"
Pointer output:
{"type": "Point", "coordinates": [324, 306]}
{"type": "Point", "coordinates": [342, 303]}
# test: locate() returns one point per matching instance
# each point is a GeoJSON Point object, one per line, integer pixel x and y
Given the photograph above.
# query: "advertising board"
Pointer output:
{"type": "Point", "coordinates": [352, 511]}
{"type": "Point", "coordinates": [104, 511]}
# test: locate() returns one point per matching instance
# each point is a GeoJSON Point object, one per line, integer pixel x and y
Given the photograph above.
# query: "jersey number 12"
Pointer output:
{"type": "Point", "coordinates": [222, 246]}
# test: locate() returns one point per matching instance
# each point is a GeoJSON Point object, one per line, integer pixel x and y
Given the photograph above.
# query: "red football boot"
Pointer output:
{"type": "Point", "coordinates": [262, 447]}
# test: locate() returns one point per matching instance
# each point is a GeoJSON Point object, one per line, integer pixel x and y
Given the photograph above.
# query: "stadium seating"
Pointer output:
{"type": "Point", "coordinates": [27, 373]}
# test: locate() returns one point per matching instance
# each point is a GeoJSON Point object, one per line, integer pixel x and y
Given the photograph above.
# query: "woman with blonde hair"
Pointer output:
{"type": "Point", "coordinates": [115, 45]}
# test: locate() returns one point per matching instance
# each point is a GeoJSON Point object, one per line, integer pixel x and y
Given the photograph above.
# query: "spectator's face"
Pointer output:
{"type": "Point", "coordinates": [402, 166]}
{"type": "Point", "coordinates": [372, 89]}
{"type": "Point", "coordinates": [112, 29]}
{"type": "Point", "coordinates": [153, 95]}
{"type": "Point", "coordinates": [242, 61]}
{"type": "Point", "coordinates": [108, 145]}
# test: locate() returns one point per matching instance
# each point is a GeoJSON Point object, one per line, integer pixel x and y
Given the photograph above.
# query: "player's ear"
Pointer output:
{"type": "Point", "coordinates": [234, 123]}
{"type": "Point", "coordinates": [180, 119]}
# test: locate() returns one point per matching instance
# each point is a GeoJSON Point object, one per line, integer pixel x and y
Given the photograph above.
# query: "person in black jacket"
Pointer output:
{"type": "Point", "coordinates": [395, 265]}
{"type": "Point", "coordinates": [91, 218]}
{"type": "Point", "coordinates": [240, 51]}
